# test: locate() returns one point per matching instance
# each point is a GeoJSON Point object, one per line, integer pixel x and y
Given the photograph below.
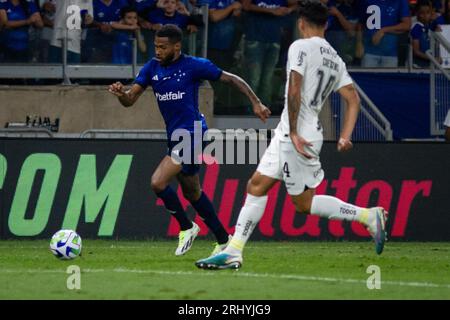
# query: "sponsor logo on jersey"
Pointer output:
{"type": "Point", "coordinates": [169, 96]}
{"type": "Point", "coordinates": [155, 77]}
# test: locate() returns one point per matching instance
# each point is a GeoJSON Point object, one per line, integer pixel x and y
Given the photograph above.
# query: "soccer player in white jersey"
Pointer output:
{"type": "Point", "coordinates": [313, 70]}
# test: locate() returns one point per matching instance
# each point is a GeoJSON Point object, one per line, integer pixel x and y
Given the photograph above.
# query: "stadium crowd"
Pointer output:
{"type": "Point", "coordinates": [251, 33]}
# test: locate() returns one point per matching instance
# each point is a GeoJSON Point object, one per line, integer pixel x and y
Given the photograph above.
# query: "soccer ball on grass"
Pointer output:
{"type": "Point", "coordinates": [66, 244]}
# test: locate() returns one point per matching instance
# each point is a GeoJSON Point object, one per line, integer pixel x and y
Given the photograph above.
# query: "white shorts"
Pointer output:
{"type": "Point", "coordinates": [282, 162]}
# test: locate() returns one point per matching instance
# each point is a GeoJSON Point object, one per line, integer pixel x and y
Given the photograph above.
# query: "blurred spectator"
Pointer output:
{"type": "Point", "coordinates": [181, 6]}
{"type": "Point", "coordinates": [144, 6]}
{"type": "Point", "coordinates": [419, 33]}
{"type": "Point", "coordinates": [445, 17]}
{"type": "Point", "coordinates": [222, 35]}
{"type": "Point", "coordinates": [340, 32]}
{"type": "Point", "coordinates": [166, 12]}
{"type": "Point", "coordinates": [193, 6]}
{"type": "Point", "coordinates": [222, 30]}
{"type": "Point", "coordinates": [16, 16]}
{"type": "Point", "coordinates": [380, 47]}
{"type": "Point", "coordinates": [67, 22]}
{"type": "Point", "coordinates": [169, 14]}
{"type": "Point", "coordinates": [438, 8]}
{"type": "Point", "coordinates": [100, 37]}
{"type": "Point", "coordinates": [127, 28]}
{"type": "Point", "coordinates": [48, 10]}
{"type": "Point", "coordinates": [263, 26]}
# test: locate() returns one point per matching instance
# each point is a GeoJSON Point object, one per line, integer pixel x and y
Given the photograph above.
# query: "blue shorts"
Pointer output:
{"type": "Point", "coordinates": [191, 165]}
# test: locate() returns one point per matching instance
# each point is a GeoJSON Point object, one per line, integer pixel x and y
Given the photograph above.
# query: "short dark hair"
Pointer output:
{"type": "Point", "coordinates": [313, 11]}
{"type": "Point", "coordinates": [170, 31]}
{"type": "Point", "coordinates": [125, 10]}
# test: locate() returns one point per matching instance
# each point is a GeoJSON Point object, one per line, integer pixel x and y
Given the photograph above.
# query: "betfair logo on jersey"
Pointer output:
{"type": "Point", "coordinates": [169, 96]}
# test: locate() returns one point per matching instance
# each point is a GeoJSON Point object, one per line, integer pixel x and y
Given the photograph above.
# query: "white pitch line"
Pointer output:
{"type": "Point", "coordinates": [239, 274]}
{"type": "Point", "coordinates": [145, 247]}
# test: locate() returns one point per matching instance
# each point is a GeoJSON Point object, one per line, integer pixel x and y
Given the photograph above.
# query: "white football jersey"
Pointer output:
{"type": "Point", "coordinates": [322, 71]}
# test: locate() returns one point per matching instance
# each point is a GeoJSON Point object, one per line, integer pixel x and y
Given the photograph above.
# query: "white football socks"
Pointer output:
{"type": "Point", "coordinates": [333, 208]}
{"type": "Point", "coordinates": [250, 214]}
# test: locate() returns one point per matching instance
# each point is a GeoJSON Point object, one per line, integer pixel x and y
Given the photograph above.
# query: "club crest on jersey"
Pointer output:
{"type": "Point", "coordinates": [169, 96]}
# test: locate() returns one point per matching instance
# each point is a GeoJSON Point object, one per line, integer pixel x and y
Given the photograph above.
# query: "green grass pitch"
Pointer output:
{"type": "Point", "coordinates": [271, 270]}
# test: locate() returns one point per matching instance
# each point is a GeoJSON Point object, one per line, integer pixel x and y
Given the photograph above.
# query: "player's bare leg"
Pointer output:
{"type": "Point", "coordinates": [190, 184]}
{"type": "Point", "coordinates": [374, 219]}
{"type": "Point", "coordinates": [164, 173]}
{"type": "Point", "coordinates": [251, 213]}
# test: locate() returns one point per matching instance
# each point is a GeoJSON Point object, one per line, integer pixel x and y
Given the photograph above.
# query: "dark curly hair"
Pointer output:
{"type": "Point", "coordinates": [313, 11]}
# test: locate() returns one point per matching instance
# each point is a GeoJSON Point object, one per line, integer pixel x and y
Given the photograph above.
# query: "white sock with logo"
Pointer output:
{"type": "Point", "coordinates": [333, 208]}
{"type": "Point", "coordinates": [250, 214]}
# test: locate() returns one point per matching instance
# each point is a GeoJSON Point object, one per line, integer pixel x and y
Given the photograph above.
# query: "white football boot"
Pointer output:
{"type": "Point", "coordinates": [186, 239]}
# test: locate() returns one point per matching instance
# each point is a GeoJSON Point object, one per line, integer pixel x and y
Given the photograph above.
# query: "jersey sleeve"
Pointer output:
{"type": "Point", "coordinates": [297, 58]}
{"type": "Point", "coordinates": [344, 78]}
{"type": "Point", "coordinates": [144, 76]}
{"type": "Point", "coordinates": [204, 69]}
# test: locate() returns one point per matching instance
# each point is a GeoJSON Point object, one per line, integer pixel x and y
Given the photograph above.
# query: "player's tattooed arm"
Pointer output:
{"type": "Point", "coordinates": [294, 101]}
{"type": "Point", "coordinates": [126, 97]}
{"type": "Point", "coordinates": [260, 110]}
{"type": "Point", "coordinates": [352, 101]}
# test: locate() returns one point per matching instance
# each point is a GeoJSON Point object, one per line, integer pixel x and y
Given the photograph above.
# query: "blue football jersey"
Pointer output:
{"type": "Point", "coordinates": [105, 14]}
{"type": "Point", "coordinates": [391, 12]}
{"type": "Point", "coordinates": [17, 38]}
{"type": "Point", "coordinates": [176, 89]}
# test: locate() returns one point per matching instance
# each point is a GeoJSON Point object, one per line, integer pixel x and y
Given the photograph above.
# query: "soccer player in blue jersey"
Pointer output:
{"type": "Point", "coordinates": [175, 79]}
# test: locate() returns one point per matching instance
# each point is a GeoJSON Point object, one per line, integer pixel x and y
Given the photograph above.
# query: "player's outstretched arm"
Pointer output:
{"type": "Point", "coordinates": [352, 101]}
{"type": "Point", "coordinates": [260, 110]}
{"type": "Point", "coordinates": [126, 97]}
